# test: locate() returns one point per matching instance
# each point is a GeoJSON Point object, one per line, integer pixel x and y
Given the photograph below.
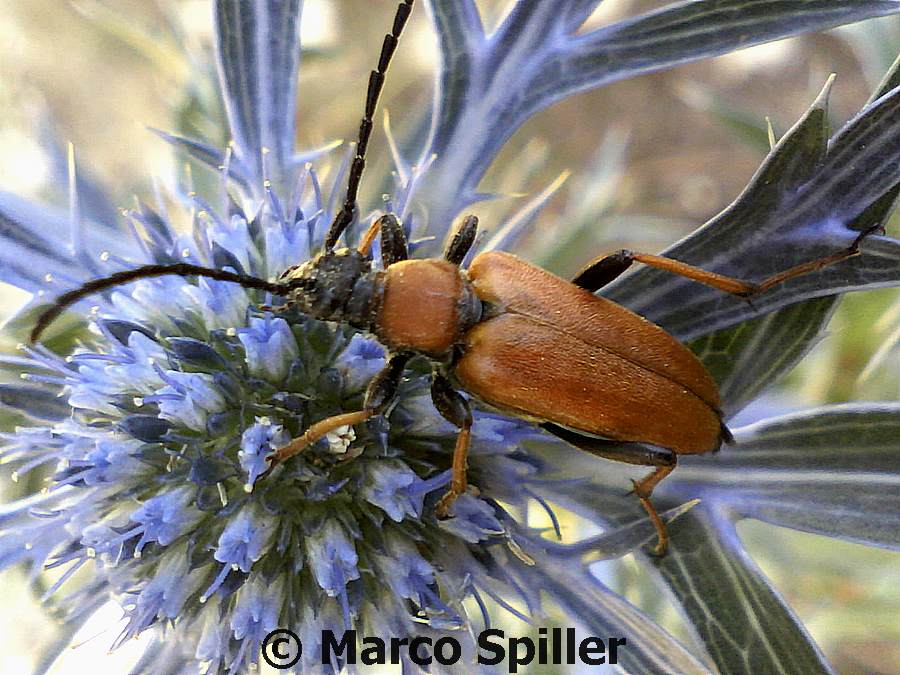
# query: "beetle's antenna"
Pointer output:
{"type": "Point", "coordinates": [176, 269]}
{"type": "Point", "coordinates": [376, 80]}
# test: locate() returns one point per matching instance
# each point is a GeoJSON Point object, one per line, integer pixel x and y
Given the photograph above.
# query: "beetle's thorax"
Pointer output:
{"type": "Point", "coordinates": [425, 306]}
{"type": "Point", "coordinates": [422, 306]}
{"type": "Point", "coordinates": [336, 286]}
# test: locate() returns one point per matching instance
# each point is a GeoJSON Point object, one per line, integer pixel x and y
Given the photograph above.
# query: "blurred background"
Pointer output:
{"type": "Point", "coordinates": [651, 159]}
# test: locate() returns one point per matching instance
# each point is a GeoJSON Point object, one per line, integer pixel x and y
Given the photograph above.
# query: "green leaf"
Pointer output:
{"type": "Point", "coordinates": [649, 648]}
{"type": "Point", "coordinates": [37, 404]}
{"type": "Point", "coordinates": [540, 58]}
{"type": "Point", "coordinates": [890, 81]}
{"type": "Point", "coordinates": [738, 617]}
{"type": "Point", "coordinates": [60, 337]}
{"type": "Point", "coordinates": [686, 31]}
{"type": "Point", "coordinates": [750, 357]}
{"type": "Point", "coordinates": [742, 621]}
{"type": "Point", "coordinates": [833, 470]}
{"type": "Point", "coordinates": [803, 204]}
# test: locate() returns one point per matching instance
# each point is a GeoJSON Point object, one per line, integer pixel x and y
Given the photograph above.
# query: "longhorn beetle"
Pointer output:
{"type": "Point", "coordinates": [513, 336]}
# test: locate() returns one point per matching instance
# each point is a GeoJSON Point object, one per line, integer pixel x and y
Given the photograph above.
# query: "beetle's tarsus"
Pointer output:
{"type": "Point", "coordinates": [443, 507]}
{"type": "Point", "coordinates": [662, 535]}
{"type": "Point", "coordinates": [455, 409]}
{"type": "Point", "coordinates": [874, 229]}
{"type": "Point", "coordinates": [660, 550]}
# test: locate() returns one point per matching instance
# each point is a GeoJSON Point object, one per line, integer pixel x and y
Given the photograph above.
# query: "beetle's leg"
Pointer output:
{"type": "Point", "coordinates": [365, 244]}
{"type": "Point", "coordinates": [393, 240]}
{"type": "Point", "coordinates": [600, 272]}
{"type": "Point", "coordinates": [630, 453]}
{"type": "Point", "coordinates": [643, 489]}
{"type": "Point", "coordinates": [286, 307]}
{"type": "Point", "coordinates": [317, 431]}
{"type": "Point", "coordinates": [380, 394]}
{"type": "Point", "coordinates": [462, 240]}
{"type": "Point", "coordinates": [455, 409]}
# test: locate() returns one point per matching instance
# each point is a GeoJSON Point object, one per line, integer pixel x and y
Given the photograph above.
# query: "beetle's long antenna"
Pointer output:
{"type": "Point", "coordinates": [177, 269]}
{"type": "Point", "coordinates": [376, 80]}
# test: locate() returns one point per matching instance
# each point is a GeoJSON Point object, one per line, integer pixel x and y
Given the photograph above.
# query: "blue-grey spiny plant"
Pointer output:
{"type": "Point", "coordinates": [154, 420]}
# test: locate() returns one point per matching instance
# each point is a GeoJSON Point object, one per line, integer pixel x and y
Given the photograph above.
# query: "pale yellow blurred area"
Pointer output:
{"type": "Point", "coordinates": [104, 72]}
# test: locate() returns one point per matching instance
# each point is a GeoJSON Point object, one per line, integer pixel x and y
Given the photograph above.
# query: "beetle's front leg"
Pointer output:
{"type": "Point", "coordinates": [455, 409]}
{"type": "Point", "coordinates": [393, 240]}
{"type": "Point", "coordinates": [380, 394]}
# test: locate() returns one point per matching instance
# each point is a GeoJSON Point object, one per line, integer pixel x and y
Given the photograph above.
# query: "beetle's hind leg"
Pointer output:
{"type": "Point", "coordinates": [455, 409]}
{"type": "Point", "coordinates": [380, 394]}
{"type": "Point", "coordinates": [602, 271]}
{"type": "Point", "coordinates": [631, 453]}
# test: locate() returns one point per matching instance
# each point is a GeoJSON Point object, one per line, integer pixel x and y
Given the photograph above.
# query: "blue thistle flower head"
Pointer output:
{"type": "Point", "coordinates": [179, 401]}
{"type": "Point", "coordinates": [156, 432]}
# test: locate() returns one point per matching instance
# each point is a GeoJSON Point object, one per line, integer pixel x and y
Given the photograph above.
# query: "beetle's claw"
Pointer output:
{"type": "Point", "coordinates": [660, 550]}
{"type": "Point", "coordinates": [273, 462]}
{"type": "Point", "coordinates": [442, 510]}
{"type": "Point", "coordinates": [874, 229]}
{"type": "Point", "coordinates": [634, 488]}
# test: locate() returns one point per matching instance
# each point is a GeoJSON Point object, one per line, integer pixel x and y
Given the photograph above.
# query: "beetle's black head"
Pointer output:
{"type": "Point", "coordinates": [323, 287]}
